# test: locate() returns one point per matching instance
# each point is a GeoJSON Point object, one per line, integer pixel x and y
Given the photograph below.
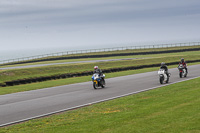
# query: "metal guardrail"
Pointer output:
{"type": "Point", "coordinates": [99, 50]}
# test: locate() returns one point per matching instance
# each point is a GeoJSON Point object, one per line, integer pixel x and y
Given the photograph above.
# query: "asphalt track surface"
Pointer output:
{"type": "Point", "coordinates": [27, 105]}
{"type": "Point", "coordinates": [74, 62]}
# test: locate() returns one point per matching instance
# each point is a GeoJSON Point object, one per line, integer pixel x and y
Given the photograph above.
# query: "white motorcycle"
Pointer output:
{"type": "Point", "coordinates": [163, 76]}
{"type": "Point", "coordinates": [182, 71]}
{"type": "Point", "coordinates": [98, 80]}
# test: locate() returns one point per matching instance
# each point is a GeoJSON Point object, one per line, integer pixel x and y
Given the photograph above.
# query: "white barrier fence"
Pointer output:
{"type": "Point", "coordinates": [99, 50]}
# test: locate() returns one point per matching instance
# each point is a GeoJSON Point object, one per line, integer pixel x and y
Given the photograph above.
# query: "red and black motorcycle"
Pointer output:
{"type": "Point", "coordinates": [182, 71]}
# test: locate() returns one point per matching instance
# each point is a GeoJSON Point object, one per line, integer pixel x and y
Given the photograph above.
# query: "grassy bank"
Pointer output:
{"type": "Point", "coordinates": [173, 109]}
{"type": "Point", "coordinates": [112, 57]}
{"type": "Point", "coordinates": [124, 52]}
{"type": "Point", "coordinates": [8, 75]}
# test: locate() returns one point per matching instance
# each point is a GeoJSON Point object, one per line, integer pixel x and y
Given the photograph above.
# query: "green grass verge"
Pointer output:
{"type": "Point", "coordinates": [59, 82]}
{"type": "Point", "coordinates": [8, 75]}
{"type": "Point", "coordinates": [174, 108]}
{"type": "Point", "coordinates": [114, 57]}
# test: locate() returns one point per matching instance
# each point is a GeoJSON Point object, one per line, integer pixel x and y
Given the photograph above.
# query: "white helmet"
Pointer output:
{"type": "Point", "coordinates": [95, 67]}
{"type": "Point", "coordinates": [163, 63]}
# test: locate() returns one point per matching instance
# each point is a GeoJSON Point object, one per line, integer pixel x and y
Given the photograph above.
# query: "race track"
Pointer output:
{"type": "Point", "coordinates": [22, 106]}
{"type": "Point", "coordinates": [62, 63]}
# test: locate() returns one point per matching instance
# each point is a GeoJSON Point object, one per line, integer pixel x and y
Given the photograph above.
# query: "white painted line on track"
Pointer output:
{"type": "Point", "coordinates": [88, 104]}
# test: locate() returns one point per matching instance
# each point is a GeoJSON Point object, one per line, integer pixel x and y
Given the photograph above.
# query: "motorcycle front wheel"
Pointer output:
{"type": "Point", "coordinates": [180, 74]}
{"type": "Point", "coordinates": [161, 80]}
{"type": "Point", "coordinates": [94, 85]}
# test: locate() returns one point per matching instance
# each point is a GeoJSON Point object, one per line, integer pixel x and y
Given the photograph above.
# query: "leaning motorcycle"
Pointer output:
{"type": "Point", "coordinates": [163, 76]}
{"type": "Point", "coordinates": [182, 71]}
{"type": "Point", "coordinates": [98, 81]}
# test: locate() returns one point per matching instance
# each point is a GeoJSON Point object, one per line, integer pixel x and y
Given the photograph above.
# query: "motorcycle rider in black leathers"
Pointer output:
{"type": "Point", "coordinates": [184, 64]}
{"type": "Point", "coordinates": [97, 70]}
{"type": "Point", "coordinates": [163, 66]}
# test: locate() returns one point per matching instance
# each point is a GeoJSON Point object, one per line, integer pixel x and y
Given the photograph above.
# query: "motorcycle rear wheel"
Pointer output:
{"type": "Point", "coordinates": [167, 80]}
{"type": "Point", "coordinates": [185, 75]}
{"type": "Point", "coordinates": [103, 83]}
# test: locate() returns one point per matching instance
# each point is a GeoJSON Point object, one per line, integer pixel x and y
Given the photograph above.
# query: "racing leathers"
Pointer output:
{"type": "Point", "coordinates": [166, 69]}
{"type": "Point", "coordinates": [98, 71]}
{"type": "Point", "coordinates": [184, 65]}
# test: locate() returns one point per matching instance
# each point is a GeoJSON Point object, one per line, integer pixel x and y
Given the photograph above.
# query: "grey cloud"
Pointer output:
{"type": "Point", "coordinates": [48, 22]}
{"type": "Point", "coordinates": [104, 12]}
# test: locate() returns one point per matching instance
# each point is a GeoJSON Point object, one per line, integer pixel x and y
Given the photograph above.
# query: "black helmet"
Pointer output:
{"type": "Point", "coordinates": [163, 63]}
{"type": "Point", "coordinates": [182, 59]}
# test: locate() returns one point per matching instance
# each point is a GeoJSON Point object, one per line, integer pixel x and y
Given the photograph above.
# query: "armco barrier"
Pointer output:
{"type": "Point", "coordinates": [86, 73]}
{"type": "Point", "coordinates": [99, 50]}
{"type": "Point", "coordinates": [97, 56]}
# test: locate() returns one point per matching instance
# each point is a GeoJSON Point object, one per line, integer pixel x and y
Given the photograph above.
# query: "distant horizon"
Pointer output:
{"type": "Point", "coordinates": [99, 46]}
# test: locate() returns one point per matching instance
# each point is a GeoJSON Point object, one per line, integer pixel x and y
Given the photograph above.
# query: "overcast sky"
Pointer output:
{"type": "Point", "coordinates": [30, 24]}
